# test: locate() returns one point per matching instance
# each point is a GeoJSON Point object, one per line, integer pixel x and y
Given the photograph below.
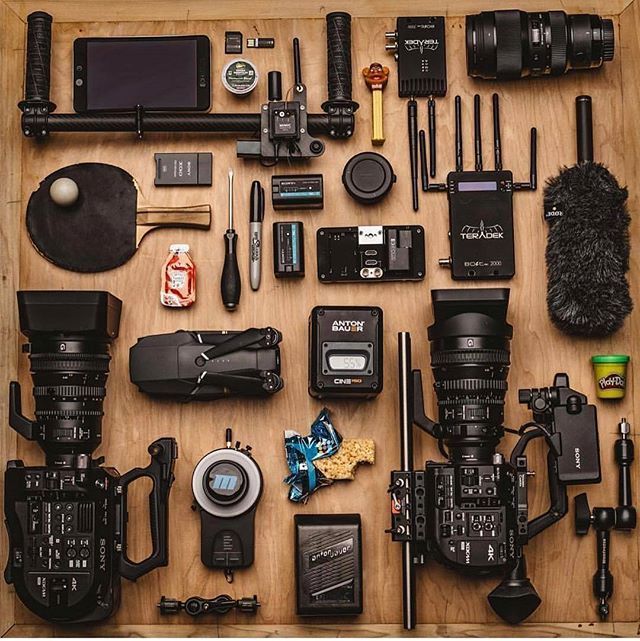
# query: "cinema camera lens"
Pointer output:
{"type": "Point", "coordinates": [69, 336]}
{"type": "Point", "coordinates": [470, 360]}
{"type": "Point", "coordinates": [506, 45]}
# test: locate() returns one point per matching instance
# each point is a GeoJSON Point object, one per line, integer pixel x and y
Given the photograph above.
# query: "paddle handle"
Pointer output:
{"type": "Point", "coordinates": [150, 218]}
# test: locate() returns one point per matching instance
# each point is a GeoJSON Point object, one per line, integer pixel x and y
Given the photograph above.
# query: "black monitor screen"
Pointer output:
{"type": "Point", "coordinates": [160, 74]}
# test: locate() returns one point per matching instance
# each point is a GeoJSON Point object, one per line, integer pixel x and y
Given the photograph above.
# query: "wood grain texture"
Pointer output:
{"type": "Point", "coordinates": [559, 563]}
{"type": "Point", "coordinates": [11, 55]}
{"type": "Point", "coordinates": [544, 630]}
{"type": "Point", "coordinates": [127, 11]}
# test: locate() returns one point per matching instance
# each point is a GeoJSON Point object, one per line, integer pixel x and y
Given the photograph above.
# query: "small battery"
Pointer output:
{"type": "Point", "coordinates": [175, 169]}
{"type": "Point", "coordinates": [233, 42]}
{"type": "Point", "coordinates": [328, 564]}
{"type": "Point", "coordinates": [301, 191]}
{"type": "Point", "coordinates": [288, 249]}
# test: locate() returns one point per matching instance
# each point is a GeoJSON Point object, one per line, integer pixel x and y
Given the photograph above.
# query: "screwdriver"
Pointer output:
{"type": "Point", "coordinates": [230, 282]}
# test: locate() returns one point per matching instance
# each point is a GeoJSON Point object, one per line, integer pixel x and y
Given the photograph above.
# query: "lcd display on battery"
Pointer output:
{"type": "Point", "coordinates": [347, 362]}
{"type": "Point", "coordinates": [160, 74]}
{"type": "Point", "coordinates": [478, 185]}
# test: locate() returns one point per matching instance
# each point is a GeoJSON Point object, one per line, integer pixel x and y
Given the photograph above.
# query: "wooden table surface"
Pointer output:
{"type": "Point", "coordinates": [560, 564]}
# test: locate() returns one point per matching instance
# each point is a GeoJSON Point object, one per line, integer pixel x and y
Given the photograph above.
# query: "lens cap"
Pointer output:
{"type": "Point", "coordinates": [368, 177]}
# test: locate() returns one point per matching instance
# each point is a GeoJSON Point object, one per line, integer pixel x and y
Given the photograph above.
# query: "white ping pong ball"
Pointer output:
{"type": "Point", "coordinates": [64, 192]}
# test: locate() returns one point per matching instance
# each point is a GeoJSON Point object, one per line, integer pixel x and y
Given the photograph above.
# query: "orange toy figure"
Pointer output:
{"type": "Point", "coordinates": [376, 77]}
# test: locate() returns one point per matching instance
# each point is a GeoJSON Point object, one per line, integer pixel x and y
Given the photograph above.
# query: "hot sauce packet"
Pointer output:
{"type": "Point", "coordinates": [178, 278]}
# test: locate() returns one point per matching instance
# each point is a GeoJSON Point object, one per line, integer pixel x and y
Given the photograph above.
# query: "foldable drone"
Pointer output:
{"type": "Point", "coordinates": [194, 365]}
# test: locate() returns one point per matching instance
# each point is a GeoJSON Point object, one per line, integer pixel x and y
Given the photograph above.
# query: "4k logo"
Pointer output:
{"type": "Point", "coordinates": [491, 232]}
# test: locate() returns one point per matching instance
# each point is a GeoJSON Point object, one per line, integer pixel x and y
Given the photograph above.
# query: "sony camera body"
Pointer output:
{"type": "Point", "coordinates": [67, 520]}
{"type": "Point", "coordinates": [471, 512]}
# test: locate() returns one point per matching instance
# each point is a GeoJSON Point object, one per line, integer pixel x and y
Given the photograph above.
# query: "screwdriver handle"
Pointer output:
{"type": "Point", "coordinates": [230, 282]}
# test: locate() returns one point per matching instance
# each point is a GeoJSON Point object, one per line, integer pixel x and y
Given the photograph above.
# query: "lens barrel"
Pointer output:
{"type": "Point", "coordinates": [69, 336]}
{"type": "Point", "coordinates": [511, 44]}
{"type": "Point", "coordinates": [470, 358]}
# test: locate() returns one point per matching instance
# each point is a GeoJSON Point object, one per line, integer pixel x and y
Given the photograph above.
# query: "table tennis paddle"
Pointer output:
{"type": "Point", "coordinates": [103, 228]}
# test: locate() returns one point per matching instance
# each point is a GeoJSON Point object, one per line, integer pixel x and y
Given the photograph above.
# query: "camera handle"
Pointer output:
{"type": "Point", "coordinates": [26, 427]}
{"type": "Point", "coordinates": [559, 502]}
{"type": "Point", "coordinates": [163, 452]}
{"type": "Point", "coordinates": [419, 418]}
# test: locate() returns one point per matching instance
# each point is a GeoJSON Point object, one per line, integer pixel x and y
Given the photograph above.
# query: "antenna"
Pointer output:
{"type": "Point", "coordinates": [422, 139]}
{"type": "Point", "coordinates": [432, 137]}
{"type": "Point", "coordinates": [458, 109]}
{"type": "Point", "coordinates": [532, 185]}
{"type": "Point", "coordinates": [533, 167]}
{"type": "Point", "coordinates": [477, 132]}
{"type": "Point", "coordinates": [497, 143]}
{"type": "Point", "coordinates": [297, 68]}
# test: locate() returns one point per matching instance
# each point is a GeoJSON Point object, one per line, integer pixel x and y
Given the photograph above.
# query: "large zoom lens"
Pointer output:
{"type": "Point", "coordinates": [505, 45]}
{"type": "Point", "coordinates": [69, 335]}
{"type": "Point", "coordinates": [470, 360]}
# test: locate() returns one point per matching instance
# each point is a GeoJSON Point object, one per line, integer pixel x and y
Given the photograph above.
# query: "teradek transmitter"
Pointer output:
{"type": "Point", "coordinates": [481, 206]}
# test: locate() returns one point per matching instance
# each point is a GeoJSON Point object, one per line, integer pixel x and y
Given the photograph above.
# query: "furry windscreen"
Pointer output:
{"type": "Point", "coordinates": [588, 251]}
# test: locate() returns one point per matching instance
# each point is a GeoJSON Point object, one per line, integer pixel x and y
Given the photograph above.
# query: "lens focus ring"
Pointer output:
{"type": "Point", "coordinates": [509, 45]}
{"type": "Point", "coordinates": [558, 29]}
{"type": "Point", "coordinates": [470, 356]}
{"type": "Point", "coordinates": [69, 391]}
{"type": "Point", "coordinates": [608, 40]}
{"type": "Point", "coordinates": [471, 385]}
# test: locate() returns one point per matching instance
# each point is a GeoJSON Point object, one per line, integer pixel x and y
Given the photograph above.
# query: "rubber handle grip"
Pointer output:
{"type": "Point", "coordinates": [230, 283]}
{"type": "Point", "coordinates": [38, 73]}
{"type": "Point", "coordinates": [584, 129]}
{"type": "Point", "coordinates": [339, 56]}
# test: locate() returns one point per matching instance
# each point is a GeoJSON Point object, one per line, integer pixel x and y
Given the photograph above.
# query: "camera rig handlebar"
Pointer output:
{"type": "Point", "coordinates": [284, 129]}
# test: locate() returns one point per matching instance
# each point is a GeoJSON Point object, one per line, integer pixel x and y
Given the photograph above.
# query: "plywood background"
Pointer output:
{"type": "Point", "coordinates": [559, 564]}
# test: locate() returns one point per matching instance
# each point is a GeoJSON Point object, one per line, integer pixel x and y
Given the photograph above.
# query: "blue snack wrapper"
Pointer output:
{"type": "Point", "coordinates": [301, 451]}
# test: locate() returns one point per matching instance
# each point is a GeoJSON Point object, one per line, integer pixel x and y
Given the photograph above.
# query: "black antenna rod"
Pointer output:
{"type": "Point", "coordinates": [431, 104]}
{"type": "Point", "coordinates": [533, 168]}
{"type": "Point", "coordinates": [497, 143]}
{"type": "Point", "coordinates": [424, 174]}
{"type": "Point", "coordinates": [458, 109]}
{"type": "Point", "coordinates": [412, 117]}
{"type": "Point", "coordinates": [297, 67]}
{"type": "Point", "coordinates": [405, 382]}
{"type": "Point", "coordinates": [477, 132]}
{"type": "Point", "coordinates": [532, 185]}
